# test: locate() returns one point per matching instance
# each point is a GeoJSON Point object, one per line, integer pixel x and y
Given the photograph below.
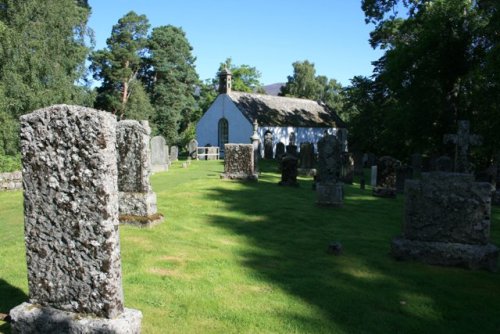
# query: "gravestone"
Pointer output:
{"type": "Point", "coordinates": [238, 162]}
{"type": "Point", "coordinates": [403, 173]}
{"type": "Point", "coordinates": [137, 201]}
{"type": "Point", "coordinates": [447, 222]}
{"type": "Point", "coordinates": [342, 137]}
{"type": "Point", "coordinates": [193, 149]}
{"type": "Point", "coordinates": [268, 145]}
{"type": "Point", "coordinates": [386, 177]}
{"type": "Point", "coordinates": [71, 224]}
{"type": "Point", "coordinates": [159, 162]}
{"type": "Point", "coordinates": [292, 150]}
{"type": "Point", "coordinates": [306, 155]}
{"type": "Point", "coordinates": [416, 164]}
{"type": "Point", "coordinates": [288, 167]}
{"type": "Point", "coordinates": [174, 153]}
{"type": "Point", "coordinates": [373, 178]}
{"type": "Point", "coordinates": [167, 155]}
{"type": "Point", "coordinates": [462, 140]}
{"type": "Point", "coordinates": [291, 139]}
{"type": "Point", "coordinates": [346, 168]}
{"type": "Point", "coordinates": [212, 153]}
{"type": "Point", "coordinates": [371, 159]}
{"type": "Point", "coordinates": [329, 189]}
{"type": "Point", "coordinates": [280, 151]}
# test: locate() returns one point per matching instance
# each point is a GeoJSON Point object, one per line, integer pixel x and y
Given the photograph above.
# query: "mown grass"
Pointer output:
{"type": "Point", "coordinates": [235, 257]}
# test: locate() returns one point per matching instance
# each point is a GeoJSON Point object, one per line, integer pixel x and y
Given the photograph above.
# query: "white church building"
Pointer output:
{"type": "Point", "coordinates": [230, 118]}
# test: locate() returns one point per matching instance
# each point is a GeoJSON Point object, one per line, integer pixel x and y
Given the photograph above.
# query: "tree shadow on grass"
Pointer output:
{"type": "Point", "coordinates": [363, 290]}
{"type": "Point", "coordinates": [10, 297]}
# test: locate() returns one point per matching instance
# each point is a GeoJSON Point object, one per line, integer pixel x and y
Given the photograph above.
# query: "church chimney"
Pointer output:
{"type": "Point", "coordinates": [225, 81]}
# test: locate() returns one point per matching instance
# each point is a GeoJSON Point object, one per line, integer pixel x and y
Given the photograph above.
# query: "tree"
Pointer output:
{"type": "Point", "coordinates": [119, 65]}
{"type": "Point", "coordinates": [305, 84]}
{"type": "Point", "coordinates": [42, 57]}
{"type": "Point", "coordinates": [172, 81]}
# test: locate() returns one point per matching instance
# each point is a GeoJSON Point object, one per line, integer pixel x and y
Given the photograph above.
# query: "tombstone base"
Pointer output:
{"type": "Point", "coordinates": [239, 176]}
{"type": "Point", "coordinates": [33, 318]}
{"type": "Point", "coordinates": [159, 168]}
{"type": "Point", "coordinates": [384, 192]}
{"type": "Point", "coordinates": [137, 204]}
{"type": "Point", "coordinates": [330, 194]}
{"type": "Point", "coordinates": [446, 254]}
{"type": "Point", "coordinates": [306, 171]}
{"type": "Point", "coordinates": [141, 221]}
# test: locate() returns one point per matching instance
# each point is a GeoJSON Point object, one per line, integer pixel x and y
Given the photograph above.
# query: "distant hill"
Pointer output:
{"type": "Point", "coordinates": [273, 89]}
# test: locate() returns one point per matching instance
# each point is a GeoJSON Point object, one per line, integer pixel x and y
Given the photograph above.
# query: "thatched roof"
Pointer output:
{"type": "Point", "coordinates": [285, 111]}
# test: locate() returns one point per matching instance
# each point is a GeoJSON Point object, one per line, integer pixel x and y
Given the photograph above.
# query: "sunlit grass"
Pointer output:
{"type": "Point", "coordinates": [236, 257]}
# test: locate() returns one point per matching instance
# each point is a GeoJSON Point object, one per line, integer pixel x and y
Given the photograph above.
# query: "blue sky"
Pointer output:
{"type": "Point", "coordinates": [269, 35]}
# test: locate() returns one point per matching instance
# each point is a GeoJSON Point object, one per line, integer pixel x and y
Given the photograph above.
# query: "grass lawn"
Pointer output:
{"type": "Point", "coordinates": [236, 257]}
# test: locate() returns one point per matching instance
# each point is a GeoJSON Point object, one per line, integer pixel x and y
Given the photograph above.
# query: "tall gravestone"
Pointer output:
{"type": "Point", "coordinates": [268, 145]}
{"type": "Point", "coordinates": [306, 158]}
{"type": "Point", "coordinates": [386, 177]}
{"type": "Point", "coordinates": [447, 222]}
{"type": "Point", "coordinates": [462, 140]}
{"type": "Point", "coordinates": [329, 189]}
{"type": "Point", "coordinates": [174, 153]}
{"type": "Point", "coordinates": [137, 201]}
{"type": "Point", "coordinates": [280, 151]}
{"type": "Point", "coordinates": [193, 149]}
{"type": "Point", "coordinates": [71, 225]}
{"type": "Point", "coordinates": [238, 162]}
{"type": "Point", "coordinates": [159, 160]}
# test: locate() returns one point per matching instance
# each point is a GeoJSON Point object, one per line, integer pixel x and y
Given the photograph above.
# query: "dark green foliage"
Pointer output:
{"type": "Point", "coordinates": [440, 66]}
{"type": "Point", "coordinates": [42, 56]}
{"type": "Point", "coordinates": [245, 78]}
{"type": "Point", "coordinates": [172, 81]}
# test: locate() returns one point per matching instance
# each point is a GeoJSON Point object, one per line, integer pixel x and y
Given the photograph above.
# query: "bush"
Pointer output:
{"type": "Point", "coordinates": [9, 163]}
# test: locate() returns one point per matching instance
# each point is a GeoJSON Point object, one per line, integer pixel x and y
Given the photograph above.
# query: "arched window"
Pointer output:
{"type": "Point", "coordinates": [223, 133]}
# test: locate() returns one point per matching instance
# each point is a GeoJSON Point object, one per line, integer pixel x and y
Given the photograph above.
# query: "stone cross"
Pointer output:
{"type": "Point", "coordinates": [71, 224]}
{"type": "Point", "coordinates": [463, 140]}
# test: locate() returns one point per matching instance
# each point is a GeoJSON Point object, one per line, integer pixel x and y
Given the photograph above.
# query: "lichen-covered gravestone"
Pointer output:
{"type": "Point", "coordinates": [386, 177]}
{"type": "Point", "coordinates": [71, 225]}
{"type": "Point", "coordinates": [238, 162]}
{"type": "Point", "coordinates": [137, 201]}
{"type": "Point", "coordinates": [328, 188]}
{"type": "Point", "coordinates": [447, 222]}
{"type": "Point", "coordinates": [159, 158]}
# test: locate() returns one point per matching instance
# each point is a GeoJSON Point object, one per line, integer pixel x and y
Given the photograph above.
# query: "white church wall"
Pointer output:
{"type": "Point", "coordinates": [282, 134]}
{"type": "Point", "coordinates": [240, 129]}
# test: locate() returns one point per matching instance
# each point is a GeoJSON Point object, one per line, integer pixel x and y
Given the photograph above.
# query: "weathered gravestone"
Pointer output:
{"type": "Point", "coordinates": [280, 151]}
{"type": "Point", "coordinates": [238, 162]}
{"type": "Point", "coordinates": [159, 160]}
{"type": "Point", "coordinates": [386, 177]}
{"type": "Point", "coordinates": [306, 160]}
{"type": "Point", "coordinates": [288, 167]}
{"type": "Point", "coordinates": [193, 149]}
{"type": "Point", "coordinates": [328, 188]}
{"type": "Point", "coordinates": [71, 225]}
{"type": "Point", "coordinates": [403, 173]}
{"type": "Point", "coordinates": [174, 153]}
{"type": "Point", "coordinates": [462, 140]}
{"type": "Point", "coordinates": [268, 145]}
{"type": "Point", "coordinates": [447, 222]}
{"type": "Point", "coordinates": [212, 153]}
{"type": "Point", "coordinates": [137, 201]}
{"type": "Point", "coordinates": [167, 155]}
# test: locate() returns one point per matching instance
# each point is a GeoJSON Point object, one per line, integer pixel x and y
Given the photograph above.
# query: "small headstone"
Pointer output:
{"type": "Point", "coordinates": [71, 224]}
{"type": "Point", "coordinates": [463, 140]}
{"type": "Point", "coordinates": [212, 153]}
{"type": "Point", "coordinates": [447, 222]}
{"type": "Point", "coordinates": [280, 151]}
{"type": "Point", "coordinates": [288, 167]}
{"type": "Point", "coordinates": [373, 178]}
{"type": "Point", "coordinates": [386, 177]}
{"type": "Point", "coordinates": [238, 162]}
{"type": "Point", "coordinates": [137, 201]}
{"type": "Point", "coordinates": [174, 153]}
{"type": "Point", "coordinates": [268, 145]}
{"type": "Point", "coordinates": [193, 149]}
{"type": "Point", "coordinates": [403, 173]}
{"type": "Point", "coordinates": [159, 162]}
{"type": "Point", "coordinates": [329, 189]}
